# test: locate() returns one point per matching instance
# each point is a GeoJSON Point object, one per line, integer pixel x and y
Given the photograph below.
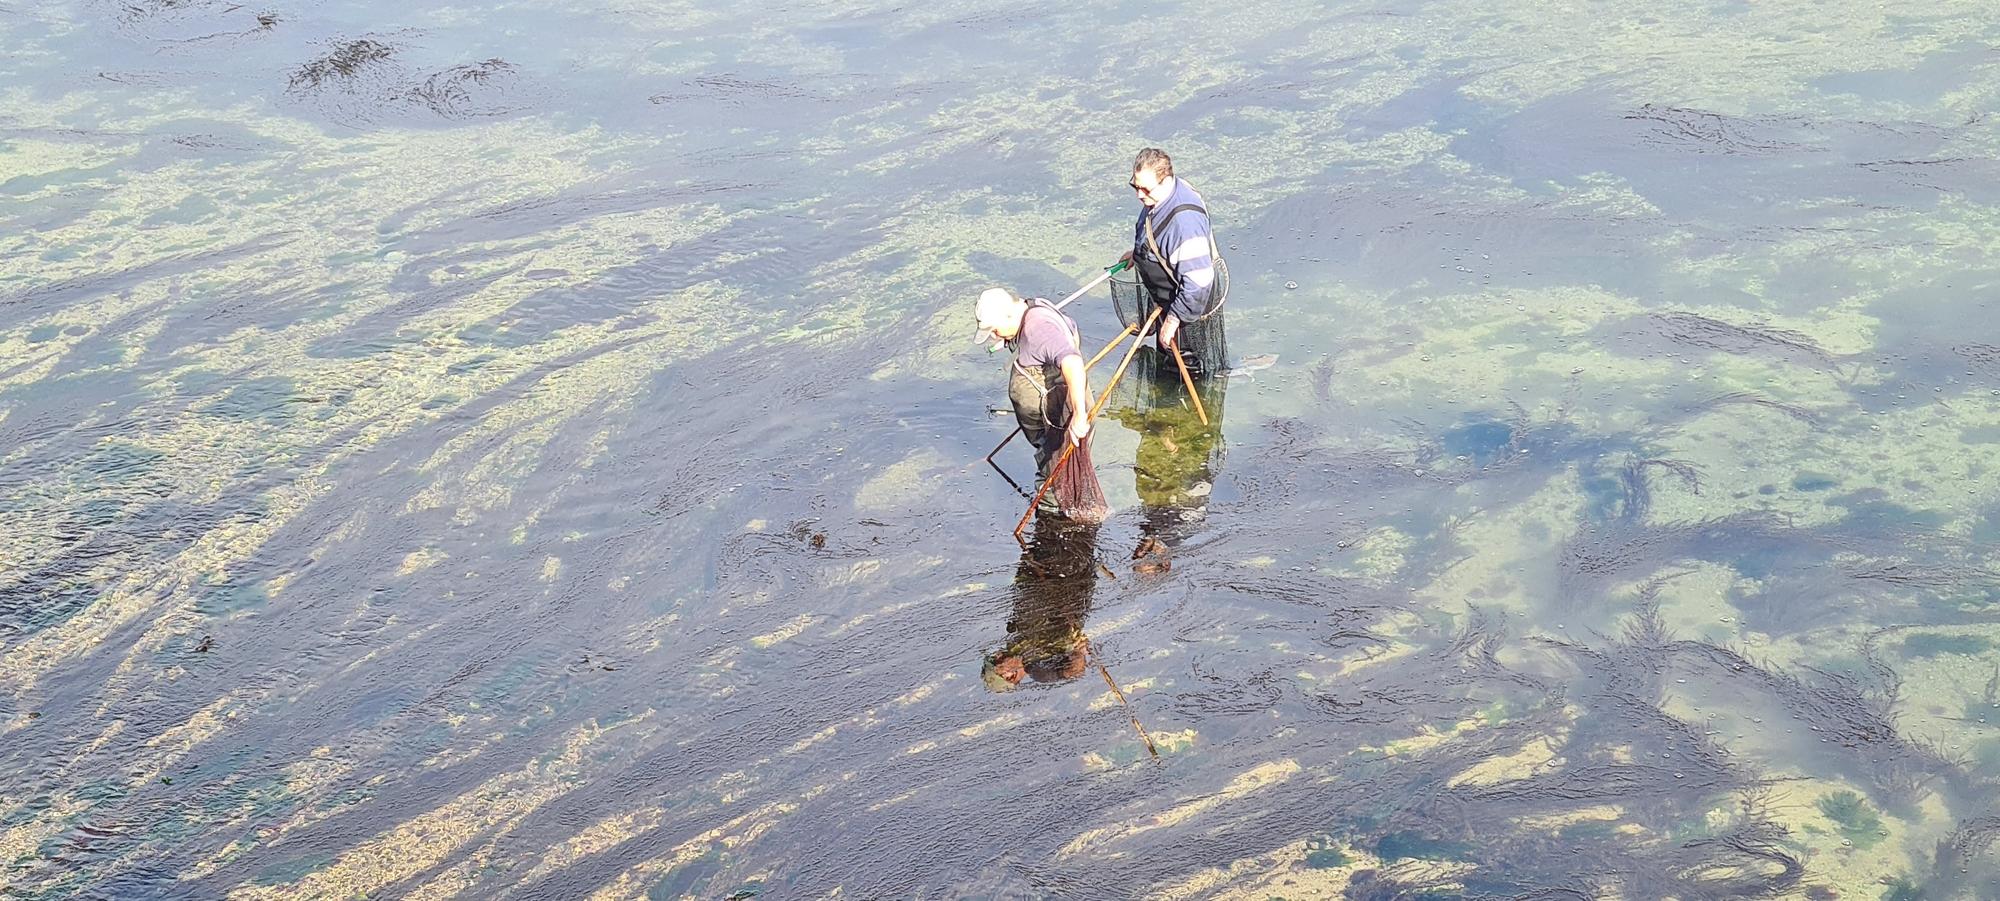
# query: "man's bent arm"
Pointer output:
{"type": "Point", "coordinates": [1074, 378]}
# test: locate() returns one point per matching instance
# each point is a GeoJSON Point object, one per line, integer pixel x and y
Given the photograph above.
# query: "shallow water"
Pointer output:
{"type": "Point", "coordinates": [532, 450]}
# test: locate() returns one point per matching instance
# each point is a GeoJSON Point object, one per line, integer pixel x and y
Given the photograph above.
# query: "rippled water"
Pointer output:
{"type": "Point", "coordinates": [533, 450]}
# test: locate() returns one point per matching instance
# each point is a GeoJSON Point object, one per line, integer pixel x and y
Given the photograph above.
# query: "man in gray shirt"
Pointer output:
{"type": "Point", "coordinates": [1048, 388]}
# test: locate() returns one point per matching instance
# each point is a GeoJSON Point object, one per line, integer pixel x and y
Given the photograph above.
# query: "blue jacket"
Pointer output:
{"type": "Point", "coordinates": [1181, 227]}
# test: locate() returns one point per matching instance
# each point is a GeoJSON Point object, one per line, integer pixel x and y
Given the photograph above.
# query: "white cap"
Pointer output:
{"type": "Point", "coordinates": [994, 309]}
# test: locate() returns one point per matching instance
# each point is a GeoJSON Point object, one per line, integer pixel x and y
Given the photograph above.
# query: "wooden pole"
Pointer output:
{"type": "Point", "coordinates": [1106, 673]}
{"type": "Point", "coordinates": [1188, 380]}
{"type": "Point", "coordinates": [1108, 347]}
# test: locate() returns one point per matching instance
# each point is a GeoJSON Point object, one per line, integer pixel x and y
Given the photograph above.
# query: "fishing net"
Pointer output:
{"type": "Point", "coordinates": [1074, 492]}
{"type": "Point", "coordinates": [1202, 342]}
{"type": "Point", "coordinates": [1041, 406]}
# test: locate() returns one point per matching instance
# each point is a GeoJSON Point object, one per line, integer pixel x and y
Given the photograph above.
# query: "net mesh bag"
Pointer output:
{"type": "Point", "coordinates": [1074, 486]}
{"type": "Point", "coordinates": [1203, 344]}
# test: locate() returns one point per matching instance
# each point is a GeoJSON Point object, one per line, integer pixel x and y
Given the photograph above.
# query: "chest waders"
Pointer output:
{"type": "Point", "coordinates": [1041, 398]}
{"type": "Point", "coordinates": [1160, 279]}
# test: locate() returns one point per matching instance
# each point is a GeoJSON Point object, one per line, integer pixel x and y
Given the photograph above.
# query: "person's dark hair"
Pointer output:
{"type": "Point", "coordinates": [1155, 159]}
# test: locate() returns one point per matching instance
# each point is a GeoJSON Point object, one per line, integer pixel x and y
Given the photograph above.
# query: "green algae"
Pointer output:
{"type": "Point", "coordinates": [1857, 821]}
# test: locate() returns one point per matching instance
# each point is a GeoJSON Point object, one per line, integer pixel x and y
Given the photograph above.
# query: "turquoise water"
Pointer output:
{"type": "Point", "coordinates": [533, 450]}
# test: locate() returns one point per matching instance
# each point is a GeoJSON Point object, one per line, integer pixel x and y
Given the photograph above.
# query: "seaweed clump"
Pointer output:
{"type": "Point", "coordinates": [456, 93]}
{"type": "Point", "coordinates": [1857, 821]}
{"type": "Point", "coordinates": [363, 80]}
{"type": "Point", "coordinates": [347, 63]}
{"type": "Point", "coordinates": [1696, 330]}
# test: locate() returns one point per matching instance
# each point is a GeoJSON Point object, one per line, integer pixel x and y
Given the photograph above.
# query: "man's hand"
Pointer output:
{"type": "Point", "coordinates": [1079, 428]}
{"type": "Point", "coordinates": [1127, 258]}
{"type": "Point", "coordinates": [1170, 328]}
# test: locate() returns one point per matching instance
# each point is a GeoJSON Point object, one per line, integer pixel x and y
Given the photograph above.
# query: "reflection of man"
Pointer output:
{"type": "Point", "coordinates": [1047, 380]}
{"type": "Point", "coordinates": [1172, 245]}
{"type": "Point", "coordinates": [1178, 456]}
{"type": "Point", "coordinates": [1052, 593]}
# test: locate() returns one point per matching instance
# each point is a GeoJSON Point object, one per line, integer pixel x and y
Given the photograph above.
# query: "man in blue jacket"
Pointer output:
{"type": "Point", "coordinates": [1172, 244]}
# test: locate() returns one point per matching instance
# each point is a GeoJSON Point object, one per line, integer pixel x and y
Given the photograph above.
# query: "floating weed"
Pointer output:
{"type": "Point", "coordinates": [1857, 821]}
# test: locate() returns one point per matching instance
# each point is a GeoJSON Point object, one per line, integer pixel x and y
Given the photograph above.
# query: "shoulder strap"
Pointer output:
{"type": "Point", "coordinates": [1177, 211]}
{"type": "Point", "coordinates": [1153, 244]}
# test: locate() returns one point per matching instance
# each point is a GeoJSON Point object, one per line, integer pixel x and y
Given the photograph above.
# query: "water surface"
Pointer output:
{"type": "Point", "coordinates": [532, 450]}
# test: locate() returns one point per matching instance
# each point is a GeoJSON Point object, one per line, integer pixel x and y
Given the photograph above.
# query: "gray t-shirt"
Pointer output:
{"type": "Point", "coordinates": [1046, 337]}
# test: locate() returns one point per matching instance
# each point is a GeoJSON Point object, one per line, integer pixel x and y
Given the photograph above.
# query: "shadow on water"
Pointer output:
{"type": "Point", "coordinates": [53, 296]}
